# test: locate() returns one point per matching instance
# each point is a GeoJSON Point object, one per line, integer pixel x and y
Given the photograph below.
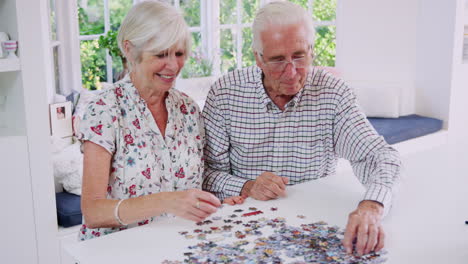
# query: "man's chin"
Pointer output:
{"type": "Point", "coordinates": [291, 89]}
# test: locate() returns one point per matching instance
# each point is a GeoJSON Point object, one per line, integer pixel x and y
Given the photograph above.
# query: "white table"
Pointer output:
{"type": "Point", "coordinates": [426, 224]}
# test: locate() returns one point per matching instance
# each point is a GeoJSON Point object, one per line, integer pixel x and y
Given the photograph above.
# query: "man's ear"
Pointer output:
{"type": "Point", "coordinates": [258, 60]}
{"type": "Point", "coordinates": [312, 53]}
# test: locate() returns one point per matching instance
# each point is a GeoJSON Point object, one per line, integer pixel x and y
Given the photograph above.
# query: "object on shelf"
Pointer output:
{"type": "Point", "coordinates": [10, 46]}
{"type": "Point", "coordinates": [3, 37]}
{"type": "Point", "coordinates": [7, 65]}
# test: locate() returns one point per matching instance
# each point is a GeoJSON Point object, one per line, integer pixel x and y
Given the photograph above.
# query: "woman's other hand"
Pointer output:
{"type": "Point", "coordinates": [233, 200]}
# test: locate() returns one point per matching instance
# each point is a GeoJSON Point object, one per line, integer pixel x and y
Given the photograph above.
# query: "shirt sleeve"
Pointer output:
{"type": "Point", "coordinates": [217, 177]}
{"type": "Point", "coordinates": [97, 125]}
{"type": "Point", "coordinates": [375, 163]}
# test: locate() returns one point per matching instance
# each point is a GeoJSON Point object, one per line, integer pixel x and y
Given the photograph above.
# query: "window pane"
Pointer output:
{"type": "Point", "coordinates": [198, 65]}
{"type": "Point", "coordinates": [93, 64]}
{"type": "Point", "coordinates": [302, 3]}
{"type": "Point", "coordinates": [117, 69]}
{"type": "Point", "coordinates": [248, 58]}
{"type": "Point", "coordinates": [53, 21]}
{"type": "Point", "coordinates": [191, 9]}
{"type": "Point", "coordinates": [325, 46]}
{"type": "Point", "coordinates": [56, 70]}
{"type": "Point", "coordinates": [228, 55]}
{"type": "Point", "coordinates": [117, 11]}
{"type": "Point", "coordinates": [91, 17]}
{"type": "Point", "coordinates": [250, 8]}
{"type": "Point", "coordinates": [324, 10]}
{"type": "Point", "coordinates": [228, 12]}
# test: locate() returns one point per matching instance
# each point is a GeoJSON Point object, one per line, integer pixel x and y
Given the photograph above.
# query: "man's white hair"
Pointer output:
{"type": "Point", "coordinates": [280, 13]}
{"type": "Point", "coordinates": [154, 26]}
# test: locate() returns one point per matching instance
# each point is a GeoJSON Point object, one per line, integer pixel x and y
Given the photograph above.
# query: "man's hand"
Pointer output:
{"type": "Point", "coordinates": [267, 186]}
{"type": "Point", "coordinates": [364, 225]}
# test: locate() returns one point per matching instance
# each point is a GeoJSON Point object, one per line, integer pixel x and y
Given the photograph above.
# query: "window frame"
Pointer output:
{"type": "Point", "coordinates": [107, 27]}
{"type": "Point", "coordinates": [67, 43]}
{"type": "Point", "coordinates": [69, 39]}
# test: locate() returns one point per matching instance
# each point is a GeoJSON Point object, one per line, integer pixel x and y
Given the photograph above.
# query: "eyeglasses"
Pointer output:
{"type": "Point", "coordinates": [279, 66]}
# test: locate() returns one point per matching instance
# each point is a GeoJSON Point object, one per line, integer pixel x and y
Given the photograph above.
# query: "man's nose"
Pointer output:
{"type": "Point", "coordinates": [289, 71]}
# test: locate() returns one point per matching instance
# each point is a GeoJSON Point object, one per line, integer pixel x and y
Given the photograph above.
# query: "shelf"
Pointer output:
{"type": "Point", "coordinates": [8, 65]}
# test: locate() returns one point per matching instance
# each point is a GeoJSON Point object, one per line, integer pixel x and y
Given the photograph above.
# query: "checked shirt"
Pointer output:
{"type": "Point", "coordinates": [247, 134]}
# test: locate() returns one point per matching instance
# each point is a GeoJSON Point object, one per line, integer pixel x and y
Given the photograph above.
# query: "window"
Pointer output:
{"type": "Point", "coordinates": [55, 46]}
{"type": "Point", "coordinates": [221, 35]}
{"type": "Point", "coordinates": [235, 20]}
{"type": "Point", "coordinates": [324, 15]}
{"type": "Point", "coordinates": [64, 73]}
{"type": "Point", "coordinates": [99, 18]}
{"type": "Point", "coordinates": [198, 64]}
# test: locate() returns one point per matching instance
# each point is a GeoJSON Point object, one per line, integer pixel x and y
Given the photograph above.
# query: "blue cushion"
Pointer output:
{"type": "Point", "coordinates": [395, 130]}
{"type": "Point", "coordinates": [68, 209]}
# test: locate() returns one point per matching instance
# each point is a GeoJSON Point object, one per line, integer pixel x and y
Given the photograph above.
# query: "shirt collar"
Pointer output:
{"type": "Point", "coordinates": [133, 95]}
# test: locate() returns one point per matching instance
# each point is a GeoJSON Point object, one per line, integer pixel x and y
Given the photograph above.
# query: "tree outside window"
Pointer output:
{"type": "Point", "coordinates": [97, 18]}
{"type": "Point", "coordinates": [233, 24]}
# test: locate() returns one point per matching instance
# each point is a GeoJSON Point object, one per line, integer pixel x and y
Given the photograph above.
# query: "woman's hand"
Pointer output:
{"type": "Point", "coordinates": [233, 200]}
{"type": "Point", "coordinates": [195, 205]}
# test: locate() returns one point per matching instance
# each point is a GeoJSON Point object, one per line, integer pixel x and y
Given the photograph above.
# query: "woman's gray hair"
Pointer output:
{"type": "Point", "coordinates": [153, 26]}
{"type": "Point", "coordinates": [280, 13]}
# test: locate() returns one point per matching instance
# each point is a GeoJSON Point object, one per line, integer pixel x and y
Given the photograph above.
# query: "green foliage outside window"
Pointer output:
{"type": "Point", "coordinates": [92, 53]}
{"type": "Point", "coordinates": [197, 65]}
{"type": "Point", "coordinates": [249, 8]}
{"type": "Point", "coordinates": [302, 3]}
{"type": "Point", "coordinates": [248, 58]}
{"type": "Point", "coordinates": [93, 64]}
{"type": "Point", "coordinates": [325, 46]}
{"type": "Point", "coordinates": [91, 22]}
{"type": "Point", "coordinates": [324, 10]}
{"type": "Point", "coordinates": [191, 10]}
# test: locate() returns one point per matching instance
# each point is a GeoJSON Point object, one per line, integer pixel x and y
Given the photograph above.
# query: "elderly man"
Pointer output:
{"type": "Point", "coordinates": [284, 122]}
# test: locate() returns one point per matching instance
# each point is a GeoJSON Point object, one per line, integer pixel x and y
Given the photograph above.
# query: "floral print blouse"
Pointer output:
{"type": "Point", "coordinates": [143, 161]}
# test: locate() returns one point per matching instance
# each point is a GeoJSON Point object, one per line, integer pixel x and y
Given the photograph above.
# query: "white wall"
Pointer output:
{"type": "Point", "coordinates": [377, 43]}
{"type": "Point", "coordinates": [405, 43]}
{"type": "Point", "coordinates": [458, 125]}
{"type": "Point", "coordinates": [434, 57]}
{"type": "Point", "coordinates": [18, 239]}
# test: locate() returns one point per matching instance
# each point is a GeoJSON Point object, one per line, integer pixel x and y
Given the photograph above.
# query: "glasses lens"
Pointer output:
{"type": "Point", "coordinates": [300, 63]}
{"type": "Point", "coordinates": [278, 65]}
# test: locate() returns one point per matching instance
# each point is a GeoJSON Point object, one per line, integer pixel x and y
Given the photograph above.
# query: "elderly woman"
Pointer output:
{"type": "Point", "coordinates": [143, 141]}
